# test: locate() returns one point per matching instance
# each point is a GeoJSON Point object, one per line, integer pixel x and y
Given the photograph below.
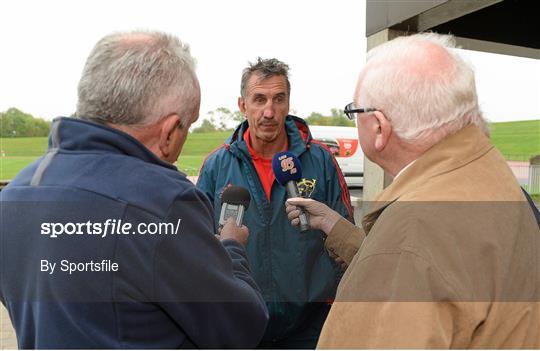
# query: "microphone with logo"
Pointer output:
{"type": "Point", "coordinates": [288, 170]}
{"type": "Point", "coordinates": [234, 203]}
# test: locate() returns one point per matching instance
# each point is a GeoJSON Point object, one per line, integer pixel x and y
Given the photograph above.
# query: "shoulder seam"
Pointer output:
{"type": "Point", "coordinates": [210, 154]}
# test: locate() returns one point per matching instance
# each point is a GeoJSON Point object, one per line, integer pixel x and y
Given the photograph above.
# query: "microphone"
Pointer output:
{"type": "Point", "coordinates": [234, 202]}
{"type": "Point", "coordinates": [288, 170]}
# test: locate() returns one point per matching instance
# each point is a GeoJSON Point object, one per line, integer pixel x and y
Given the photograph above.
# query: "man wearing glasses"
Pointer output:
{"type": "Point", "coordinates": [297, 276]}
{"type": "Point", "coordinates": [448, 256]}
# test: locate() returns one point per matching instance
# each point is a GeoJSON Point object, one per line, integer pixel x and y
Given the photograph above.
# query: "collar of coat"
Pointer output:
{"type": "Point", "coordinates": [297, 130]}
{"type": "Point", "coordinates": [78, 135]}
{"type": "Point", "coordinates": [453, 152]}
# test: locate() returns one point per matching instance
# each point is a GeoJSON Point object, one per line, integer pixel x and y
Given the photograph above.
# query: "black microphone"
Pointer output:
{"type": "Point", "coordinates": [234, 202]}
{"type": "Point", "coordinates": [288, 170]}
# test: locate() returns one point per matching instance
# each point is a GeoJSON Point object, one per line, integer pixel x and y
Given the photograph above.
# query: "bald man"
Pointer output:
{"type": "Point", "coordinates": [448, 255]}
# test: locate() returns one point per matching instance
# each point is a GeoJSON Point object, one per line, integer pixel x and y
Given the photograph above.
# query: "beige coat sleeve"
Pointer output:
{"type": "Point", "coordinates": [344, 240]}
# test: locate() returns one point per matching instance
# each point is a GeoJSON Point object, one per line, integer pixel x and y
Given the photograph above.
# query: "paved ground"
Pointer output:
{"type": "Point", "coordinates": [7, 334]}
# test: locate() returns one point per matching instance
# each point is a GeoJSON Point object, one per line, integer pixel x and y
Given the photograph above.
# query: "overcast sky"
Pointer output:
{"type": "Point", "coordinates": [45, 45]}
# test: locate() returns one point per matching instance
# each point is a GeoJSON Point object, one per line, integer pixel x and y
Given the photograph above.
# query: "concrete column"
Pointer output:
{"type": "Point", "coordinates": [534, 175]}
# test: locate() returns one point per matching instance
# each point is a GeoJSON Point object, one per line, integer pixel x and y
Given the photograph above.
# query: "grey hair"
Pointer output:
{"type": "Point", "coordinates": [137, 78]}
{"type": "Point", "coordinates": [265, 68]}
{"type": "Point", "coordinates": [423, 86]}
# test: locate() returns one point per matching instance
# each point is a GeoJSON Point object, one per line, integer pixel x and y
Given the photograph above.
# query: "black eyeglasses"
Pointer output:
{"type": "Point", "coordinates": [351, 110]}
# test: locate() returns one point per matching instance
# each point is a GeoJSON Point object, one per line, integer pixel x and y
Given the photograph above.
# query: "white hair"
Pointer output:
{"type": "Point", "coordinates": [137, 78]}
{"type": "Point", "coordinates": [422, 86]}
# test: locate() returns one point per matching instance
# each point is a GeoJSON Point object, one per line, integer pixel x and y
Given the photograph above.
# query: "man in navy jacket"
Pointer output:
{"type": "Point", "coordinates": [104, 244]}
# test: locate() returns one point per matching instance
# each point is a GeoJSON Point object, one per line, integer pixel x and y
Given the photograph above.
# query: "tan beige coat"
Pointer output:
{"type": "Point", "coordinates": [450, 259]}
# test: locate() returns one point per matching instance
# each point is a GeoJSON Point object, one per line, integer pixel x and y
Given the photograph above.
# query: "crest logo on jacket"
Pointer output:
{"type": "Point", "coordinates": [306, 187]}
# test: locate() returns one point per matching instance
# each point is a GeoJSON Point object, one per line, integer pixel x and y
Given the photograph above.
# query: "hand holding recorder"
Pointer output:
{"type": "Point", "coordinates": [234, 202]}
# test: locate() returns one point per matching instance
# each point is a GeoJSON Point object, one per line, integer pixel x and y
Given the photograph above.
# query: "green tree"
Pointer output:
{"type": "Point", "coordinates": [206, 127]}
{"type": "Point", "coordinates": [225, 118]}
{"type": "Point", "coordinates": [15, 123]}
{"type": "Point", "coordinates": [220, 119]}
{"type": "Point", "coordinates": [337, 118]}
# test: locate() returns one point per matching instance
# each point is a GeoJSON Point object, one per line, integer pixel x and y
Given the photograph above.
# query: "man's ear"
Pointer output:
{"type": "Point", "coordinates": [242, 105]}
{"type": "Point", "coordinates": [383, 132]}
{"type": "Point", "coordinates": [168, 128]}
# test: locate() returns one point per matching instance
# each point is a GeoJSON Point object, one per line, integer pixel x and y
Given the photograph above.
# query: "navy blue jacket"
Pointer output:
{"type": "Point", "coordinates": [296, 275]}
{"type": "Point", "coordinates": [170, 291]}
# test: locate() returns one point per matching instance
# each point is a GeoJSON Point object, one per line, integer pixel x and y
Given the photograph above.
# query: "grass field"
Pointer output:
{"type": "Point", "coordinates": [17, 153]}
{"type": "Point", "coordinates": [517, 141]}
{"type": "Point", "coordinates": [197, 146]}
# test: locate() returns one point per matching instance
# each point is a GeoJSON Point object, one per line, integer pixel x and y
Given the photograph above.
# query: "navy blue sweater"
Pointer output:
{"type": "Point", "coordinates": [169, 290]}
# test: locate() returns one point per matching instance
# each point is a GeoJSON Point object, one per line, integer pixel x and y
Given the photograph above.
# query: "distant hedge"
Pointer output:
{"type": "Point", "coordinates": [15, 123]}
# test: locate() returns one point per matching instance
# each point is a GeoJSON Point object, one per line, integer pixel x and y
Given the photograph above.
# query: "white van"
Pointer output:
{"type": "Point", "coordinates": [343, 142]}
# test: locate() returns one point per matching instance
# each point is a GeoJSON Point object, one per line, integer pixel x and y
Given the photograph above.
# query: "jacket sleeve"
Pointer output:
{"type": "Point", "coordinates": [337, 193]}
{"type": "Point", "coordinates": [344, 240]}
{"type": "Point", "coordinates": [204, 285]}
{"type": "Point", "coordinates": [206, 181]}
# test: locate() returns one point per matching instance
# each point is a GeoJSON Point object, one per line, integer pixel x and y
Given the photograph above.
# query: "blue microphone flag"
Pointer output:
{"type": "Point", "coordinates": [286, 167]}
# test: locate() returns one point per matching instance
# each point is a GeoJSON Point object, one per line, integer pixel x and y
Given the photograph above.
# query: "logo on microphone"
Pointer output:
{"type": "Point", "coordinates": [287, 164]}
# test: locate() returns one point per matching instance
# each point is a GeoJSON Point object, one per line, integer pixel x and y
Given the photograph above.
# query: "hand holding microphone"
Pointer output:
{"type": "Point", "coordinates": [234, 202]}
{"type": "Point", "coordinates": [288, 170]}
{"type": "Point", "coordinates": [321, 216]}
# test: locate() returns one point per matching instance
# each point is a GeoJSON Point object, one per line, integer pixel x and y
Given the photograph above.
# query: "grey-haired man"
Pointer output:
{"type": "Point", "coordinates": [138, 95]}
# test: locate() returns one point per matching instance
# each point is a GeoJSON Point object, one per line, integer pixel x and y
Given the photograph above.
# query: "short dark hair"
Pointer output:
{"type": "Point", "coordinates": [266, 68]}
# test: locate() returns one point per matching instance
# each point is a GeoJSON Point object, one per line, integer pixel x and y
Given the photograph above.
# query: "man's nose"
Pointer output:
{"type": "Point", "coordinates": [269, 110]}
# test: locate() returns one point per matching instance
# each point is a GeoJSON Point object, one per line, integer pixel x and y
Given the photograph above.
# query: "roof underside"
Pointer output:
{"type": "Point", "coordinates": [510, 22]}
